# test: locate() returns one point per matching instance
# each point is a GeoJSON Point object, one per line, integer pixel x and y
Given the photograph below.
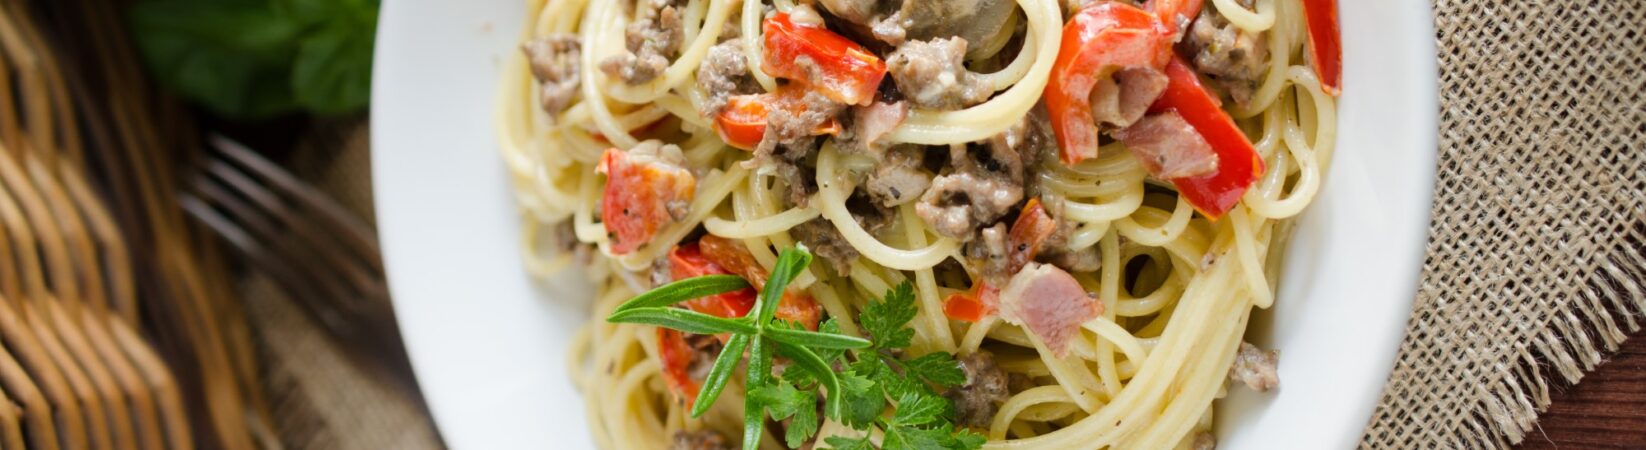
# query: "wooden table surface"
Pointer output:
{"type": "Point", "coordinates": [1607, 410]}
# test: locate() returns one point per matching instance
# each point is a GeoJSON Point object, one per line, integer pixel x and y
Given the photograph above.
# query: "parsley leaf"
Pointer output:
{"type": "Point", "coordinates": [831, 355]}
{"type": "Point", "coordinates": [782, 399]}
{"type": "Point", "coordinates": [861, 403]}
{"type": "Point", "coordinates": [966, 439]}
{"type": "Point", "coordinates": [918, 409]}
{"type": "Point", "coordinates": [938, 368]}
{"type": "Point", "coordinates": [846, 443]}
{"type": "Point", "coordinates": [896, 384]}
{"type": "Point", "coordinates": [942, 437]}
{"type": "Point", "coordinates": [803, 426]}
{"type": "Point", "coordinates": [886, 319]}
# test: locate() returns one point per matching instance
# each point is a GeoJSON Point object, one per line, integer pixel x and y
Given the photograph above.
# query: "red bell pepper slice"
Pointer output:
{"type": "Point", "coordinates": [1099, 40]}
{"type": "Point", "coordinates": [841, 69]}
{"type": "Point", "coordinates": [687, 261]}
{"type": "Point", "coordinates": [1175, 14]}
{"type": "Point", "coordinates": [676, 357]}
{"type": "Point", "coordinates": [734, 257]}
{"type": "Point", "coordinates": [1238, 164]}
{"type": "Point", "coordinates": [635, 201]}
{"type": "Point", "coordinates": [1325, 44]}
{"type": "Point", "coordinates": [742, 123]}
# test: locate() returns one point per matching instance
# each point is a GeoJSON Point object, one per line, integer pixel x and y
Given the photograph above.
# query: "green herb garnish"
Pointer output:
{"type": "Point", "coordinates": [871, 379]}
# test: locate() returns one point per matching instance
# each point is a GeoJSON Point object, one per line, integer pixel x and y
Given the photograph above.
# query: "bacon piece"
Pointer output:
{"type": "Point", "coordinates": [1169, 147]}
{"type": "Point", "coordinates": [1122, 100]}
{"type": "Point", "coordinates": [1049, 303]}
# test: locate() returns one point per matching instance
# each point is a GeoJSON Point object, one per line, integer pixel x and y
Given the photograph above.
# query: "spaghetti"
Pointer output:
{"type": "Point", "coordinates": [1176, 282]}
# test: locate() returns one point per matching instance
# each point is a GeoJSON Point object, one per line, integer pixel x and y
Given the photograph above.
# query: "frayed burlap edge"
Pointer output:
{"type": "Point", "coordinates": [1535, 263]}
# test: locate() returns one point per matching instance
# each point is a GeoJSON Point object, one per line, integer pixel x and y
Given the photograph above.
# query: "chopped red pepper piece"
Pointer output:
{"type": "Point", "coordinates": [734, 257]}
{"type": "Point", "coordinates": [1175, 14]}
{"type": "Point", "coordinates": [1027, 234]}
{"type": "Point", "coordinates": [811, 54]}
{"type": "Point", "coordinates": [1325, 44]}
{"type": "Point", "coordinates": [688, 260]}
{"type": "Point", "coordinates": [1238, 164]}
{"type": "Point", "coordinates": [971, 306]}
{"type": "Point", "coordinates": [676, 356]}
{"type": "Point", "coordinates": [743, 122]}
{"type": "Point", "coordinates": [1099, 40]}
{"type": "Point", "coordinates": [638, 193]}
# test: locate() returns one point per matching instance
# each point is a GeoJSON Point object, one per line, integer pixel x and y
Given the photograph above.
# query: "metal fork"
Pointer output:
{"type": "Point", "coordinates": [319, 253]}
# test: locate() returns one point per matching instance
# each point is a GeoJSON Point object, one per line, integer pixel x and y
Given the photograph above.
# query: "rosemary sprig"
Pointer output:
{"type": "Point", "coordinates": [760, 332]}
{"type": "Point", "coordinates": [857, 396]}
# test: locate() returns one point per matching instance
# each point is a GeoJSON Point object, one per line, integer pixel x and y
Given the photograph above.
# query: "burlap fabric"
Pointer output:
{"type": "Point", "coordinates": [1535, 264]}
{"type": "Point", "coordinates": [319, 399]}
{"type": "Point", "coordinates": [1534, 267]}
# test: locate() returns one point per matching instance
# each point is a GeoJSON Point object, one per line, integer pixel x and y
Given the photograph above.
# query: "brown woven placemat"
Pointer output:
{"type": "Point", "coordinates": [1535, 261]}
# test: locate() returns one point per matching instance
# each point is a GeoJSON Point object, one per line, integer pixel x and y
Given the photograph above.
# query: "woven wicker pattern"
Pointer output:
{"type": "Point", "coordinates": [1535, 256]}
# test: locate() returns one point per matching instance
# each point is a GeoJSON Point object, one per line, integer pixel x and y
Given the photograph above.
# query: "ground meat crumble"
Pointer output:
{"type": "Point", "coordinates": [653, 38]}
{"type": "Point", "coordinates": [555, 63]}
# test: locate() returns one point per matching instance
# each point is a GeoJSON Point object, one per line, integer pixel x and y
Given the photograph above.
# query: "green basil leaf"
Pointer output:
{"type": "Point", "coordinates": [812, 339]}
{"type": "Point", "coordinates": [233, 56]}
{"type": "Point", "coordinates": [789, 265]}
{"type": "Point", "coordinates": [719, 374]}
{"type": "Point", "coordinates": [332, 72]}
{"type": "Point", "coordinates": [682, 319]}
{"type": "Point", "coordinates": [683, 290]}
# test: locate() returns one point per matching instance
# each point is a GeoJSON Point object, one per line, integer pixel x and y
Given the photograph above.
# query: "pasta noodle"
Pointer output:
{"type": "Point", "coordinates": [1177, 288]}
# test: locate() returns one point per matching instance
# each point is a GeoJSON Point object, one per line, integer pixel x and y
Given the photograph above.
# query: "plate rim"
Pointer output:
{"type": "Point", "coordinates": [1423, 69]}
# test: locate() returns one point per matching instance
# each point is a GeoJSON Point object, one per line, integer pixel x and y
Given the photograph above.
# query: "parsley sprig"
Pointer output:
{"type": "Point", "coordinates": [857, 377]}
{"type": "Point", "coordinates": [921, 419]}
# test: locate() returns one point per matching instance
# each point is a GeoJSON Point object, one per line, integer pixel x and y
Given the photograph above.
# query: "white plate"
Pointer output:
{"type": "Point", "coordinates": [489, 347]}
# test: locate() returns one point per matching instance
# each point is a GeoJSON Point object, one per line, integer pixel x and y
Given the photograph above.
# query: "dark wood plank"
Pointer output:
{"type": "Point", "coordinates": [1607, 410]}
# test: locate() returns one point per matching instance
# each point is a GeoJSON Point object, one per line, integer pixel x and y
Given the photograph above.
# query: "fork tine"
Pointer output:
{"type": "Point", "coordinates": [262, 257]}
{"type": "Point", "coordinates": [282, 237]}
{"type": "Point", "coordinates": [355, 234]}
{"type": "Point", "coordinates": [275, 223]}
{"type": "Point", "coordinates": [355, 278]}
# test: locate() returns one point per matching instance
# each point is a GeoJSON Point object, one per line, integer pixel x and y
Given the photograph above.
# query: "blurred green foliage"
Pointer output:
{"type": "Point", "coordinates": [253, 59]}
